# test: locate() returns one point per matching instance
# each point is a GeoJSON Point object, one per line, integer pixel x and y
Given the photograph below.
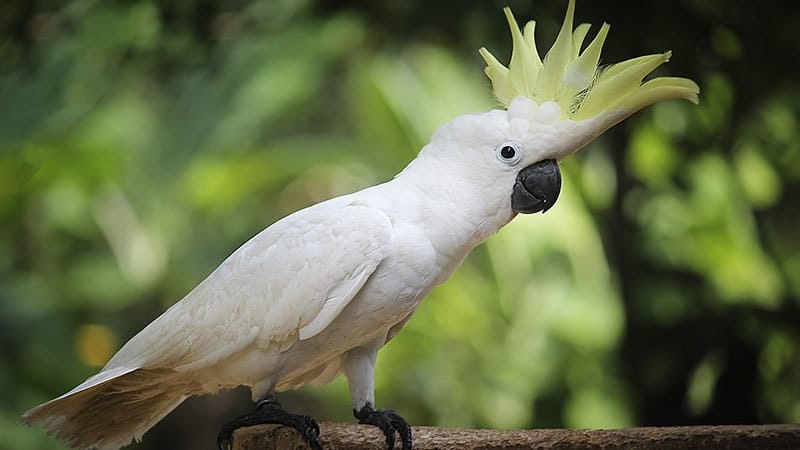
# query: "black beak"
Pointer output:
{"type": "Point", "coordinates": [537, 187]}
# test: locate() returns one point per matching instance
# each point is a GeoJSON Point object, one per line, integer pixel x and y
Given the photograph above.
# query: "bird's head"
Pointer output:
{"type": "Point", "coordinates": [553, 107]}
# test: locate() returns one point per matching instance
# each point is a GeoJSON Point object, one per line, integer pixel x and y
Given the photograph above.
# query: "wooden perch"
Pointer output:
{"type": "Point", "coordinates": [361, 437]}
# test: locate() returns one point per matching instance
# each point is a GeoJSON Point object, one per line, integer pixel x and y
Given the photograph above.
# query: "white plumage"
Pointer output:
{"type": "Point", "coordinates": [322, 290]}
{"type": "Point", "coordinates": [318, 292]}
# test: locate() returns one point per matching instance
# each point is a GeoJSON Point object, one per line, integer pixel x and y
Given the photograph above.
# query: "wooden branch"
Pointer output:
{"type": "Point", "coordinates": [362, 437]}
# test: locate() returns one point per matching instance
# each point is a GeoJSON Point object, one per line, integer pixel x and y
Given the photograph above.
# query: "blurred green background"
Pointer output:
{"type": "Point", "coordinates": [142, 142]}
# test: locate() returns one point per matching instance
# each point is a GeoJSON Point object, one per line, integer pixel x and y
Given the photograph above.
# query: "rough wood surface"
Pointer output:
{"type": "Point", "coordinates": [361, 437]}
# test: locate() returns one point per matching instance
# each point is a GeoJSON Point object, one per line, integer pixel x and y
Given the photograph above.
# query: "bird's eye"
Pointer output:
{"type": "Point", "coordinates": [509, 153]}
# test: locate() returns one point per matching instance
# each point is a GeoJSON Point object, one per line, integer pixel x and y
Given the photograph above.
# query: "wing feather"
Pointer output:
{"type": "Point", "coordinates": [288, 282]}
{"type": "Point", "coordinates": [338, 297]}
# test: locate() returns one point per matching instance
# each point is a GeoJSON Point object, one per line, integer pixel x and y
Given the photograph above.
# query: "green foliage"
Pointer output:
{"type": "Point", "coordinates": [142, 142]}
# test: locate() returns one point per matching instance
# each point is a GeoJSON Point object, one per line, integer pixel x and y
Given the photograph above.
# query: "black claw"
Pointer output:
{"type": "Point", "coordinates": [224, 440]}
{"type": "Point", "coordinates": [402, 427]}
{"type": "Point", "coordinates": [388, 421]}
{"type": "Point", "coordinates": [312, 424]}
{"type": "Point", "coordinates": [270, 412]}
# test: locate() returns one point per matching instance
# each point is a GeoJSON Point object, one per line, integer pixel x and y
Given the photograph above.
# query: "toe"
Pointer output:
{"type": "Point", "coordinates": [223, 441]}
{"type": "Point", "coordinates": [312, 424]}
{"type": "Point", "coordinates": [389, 422]}
{"type": "Point", "coordinates": [402, 427]}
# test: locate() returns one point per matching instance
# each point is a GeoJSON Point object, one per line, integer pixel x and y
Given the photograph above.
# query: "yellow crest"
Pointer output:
{"type": "Point", "coordinates": [572, 78]}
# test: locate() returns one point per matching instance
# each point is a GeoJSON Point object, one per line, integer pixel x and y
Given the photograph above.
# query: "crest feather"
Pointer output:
{"type": "Point", "coordinates": [573, 79]}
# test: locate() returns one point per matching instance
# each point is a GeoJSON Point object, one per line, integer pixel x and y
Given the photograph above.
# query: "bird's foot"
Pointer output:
{"type": "Point", "coordinates": [269, 411]}
{"type": "Point", "coordinates": [388, 421]}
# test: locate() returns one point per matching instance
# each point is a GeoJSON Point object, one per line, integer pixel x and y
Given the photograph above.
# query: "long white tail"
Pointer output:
{"type": "Point", "coordinates": [111, 409]}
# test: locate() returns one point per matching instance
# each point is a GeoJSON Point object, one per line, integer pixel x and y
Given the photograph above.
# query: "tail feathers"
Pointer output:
{"type": "Point", "coordinates": [108, 412]}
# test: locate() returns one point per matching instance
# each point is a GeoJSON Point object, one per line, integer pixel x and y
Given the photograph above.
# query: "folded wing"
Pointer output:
{"type": "Point", "coordinates": [288, 282]}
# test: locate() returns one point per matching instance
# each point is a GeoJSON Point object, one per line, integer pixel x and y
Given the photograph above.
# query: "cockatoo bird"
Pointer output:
{"type": "Point", "coordinates": [319, 292]}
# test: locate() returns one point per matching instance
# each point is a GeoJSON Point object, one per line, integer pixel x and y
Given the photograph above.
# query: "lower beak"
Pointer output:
{"type": "Point", "coordinates": [537, 187]}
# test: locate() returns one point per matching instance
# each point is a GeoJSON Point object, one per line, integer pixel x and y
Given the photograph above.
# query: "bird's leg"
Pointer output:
{"type": "Point", "coordinates": [269, 411]}
{"type": "Point", "coordinates": [388, 421]}
{"type": "Point", "coordinates": [359, 367]}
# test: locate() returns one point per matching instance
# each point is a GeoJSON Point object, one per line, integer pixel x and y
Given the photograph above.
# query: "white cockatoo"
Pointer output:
{"type": "Point", "coordinates": [319, 292]}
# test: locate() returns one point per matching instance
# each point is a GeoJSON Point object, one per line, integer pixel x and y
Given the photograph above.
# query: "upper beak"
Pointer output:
{"type": "Point", "coordinates": [537, 187]}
